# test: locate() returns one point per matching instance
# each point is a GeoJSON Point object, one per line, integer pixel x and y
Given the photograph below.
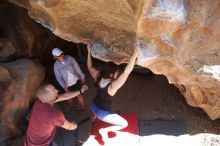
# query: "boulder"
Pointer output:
{"type": "Point", "coordinates": [18, 83]}
{"type": "Point", "coordinates": [178, 38]}
{"type": "Point", "coordinates": [21, 36]}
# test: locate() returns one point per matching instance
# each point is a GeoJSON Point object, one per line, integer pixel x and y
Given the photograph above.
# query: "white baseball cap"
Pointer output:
{"type": "Point", "coordinates": [57, 52]}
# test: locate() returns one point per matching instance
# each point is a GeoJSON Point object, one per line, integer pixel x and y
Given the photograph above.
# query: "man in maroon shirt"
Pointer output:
{"type": "Point", "coordinates": [45, 117]}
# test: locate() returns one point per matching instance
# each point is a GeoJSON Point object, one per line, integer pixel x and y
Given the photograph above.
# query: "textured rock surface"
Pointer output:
{"type": "Point", "coordinates": [18, 82]}
{"type": "Point", "coordinates": [21, 36]}
{"type": "Point", "coordinates": [178, 38]}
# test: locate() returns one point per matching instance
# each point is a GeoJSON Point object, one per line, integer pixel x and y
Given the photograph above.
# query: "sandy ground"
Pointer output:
{"type": "Point", "coordinates": [152, 97]}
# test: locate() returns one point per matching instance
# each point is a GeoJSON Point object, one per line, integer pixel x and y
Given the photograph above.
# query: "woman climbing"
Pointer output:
{"type": "Point", "coordinates": [108, 82]}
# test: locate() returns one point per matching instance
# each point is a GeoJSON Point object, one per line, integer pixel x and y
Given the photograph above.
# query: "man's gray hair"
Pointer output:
{"type": "Point", "coordinates": [43, 93]}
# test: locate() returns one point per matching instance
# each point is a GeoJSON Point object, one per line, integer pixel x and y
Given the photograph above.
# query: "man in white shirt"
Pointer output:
{"type": "Point", "coordinates": [68, 74]}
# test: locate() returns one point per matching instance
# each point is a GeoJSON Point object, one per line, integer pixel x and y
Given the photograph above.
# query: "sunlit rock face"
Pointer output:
{"type": "Point", "coordinates": [18, 83]}
{"type": "Point", "coordinates": [178, 38]}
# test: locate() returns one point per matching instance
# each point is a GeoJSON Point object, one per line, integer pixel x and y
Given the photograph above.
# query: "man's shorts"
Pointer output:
{"type": "Point", "coordinates": [100, 114]}
{"type": "Point", "coordinates": [74, 87]}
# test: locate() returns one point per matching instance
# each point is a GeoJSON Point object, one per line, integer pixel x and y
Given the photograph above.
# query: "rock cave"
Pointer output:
{"type": "Point", "coordinates": [176, 77]}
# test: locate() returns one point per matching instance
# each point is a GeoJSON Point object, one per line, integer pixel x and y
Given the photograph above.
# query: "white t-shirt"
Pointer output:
{"type": "Point", "coordinates": [103, 84]}
{"type": "Point", "coordinates": [71, 79]}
